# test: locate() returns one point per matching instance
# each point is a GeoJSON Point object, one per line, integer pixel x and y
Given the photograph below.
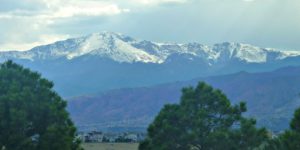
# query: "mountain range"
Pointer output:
{"type": "Point", "coordinates": [114, 80]}
{"type": "Point", "coordinates": [271, 98]}
{"type": "Point", "coordinates": [125, 49]}
{"type": "Point", "coordinates": [107, 60]}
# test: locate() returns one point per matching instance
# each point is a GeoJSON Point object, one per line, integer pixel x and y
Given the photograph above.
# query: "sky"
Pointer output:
{"type": "Point", "coordinates": [265, 23]}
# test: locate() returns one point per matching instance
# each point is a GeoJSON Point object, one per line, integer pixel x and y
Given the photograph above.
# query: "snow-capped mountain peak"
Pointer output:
{"type": "Point", "coordinates": [245, 52]}
{"type": "Point", "coordinates": [125, 49]}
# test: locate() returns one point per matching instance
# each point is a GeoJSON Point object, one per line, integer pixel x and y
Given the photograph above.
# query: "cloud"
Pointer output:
{"type": "Point", "coordinates": [86, 8]}
{"type": "Point", "coordinates": [23, 45]}
{"type": "Point", "coordinates": [53, 9]}
{"type": "Point", "coordinates": [27, 23]}
{"type": "Point", "coordinates": [157, 2]}
{"type": "Point", "coordinates": [248, 0]}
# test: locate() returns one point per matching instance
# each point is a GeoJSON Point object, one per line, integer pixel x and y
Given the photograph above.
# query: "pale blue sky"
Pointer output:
{"type": "Point", "coordinates": [266, 23]}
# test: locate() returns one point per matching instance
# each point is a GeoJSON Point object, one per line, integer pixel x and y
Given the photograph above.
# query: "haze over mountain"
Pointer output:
{"type": "Point", "coordinates": [271, 98]}
{"type": "Point", "coordinates": [108, 60]}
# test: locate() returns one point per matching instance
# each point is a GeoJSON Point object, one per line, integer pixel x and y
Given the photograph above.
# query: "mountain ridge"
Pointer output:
{"type": "Point", "coordinates": [123, 48]}
{"type": "Point", "coordinates": [105, 61]}
{"type": "Point", "coordinates": [271, 98]}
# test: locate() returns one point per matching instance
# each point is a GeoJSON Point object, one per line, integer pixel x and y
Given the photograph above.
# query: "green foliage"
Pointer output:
{"type": "Point", "coordinates": [204, 120]}
{"type": "Point", "coordinates": [289, 140]}
{"type": "Point", "coordinates": [32, 115]}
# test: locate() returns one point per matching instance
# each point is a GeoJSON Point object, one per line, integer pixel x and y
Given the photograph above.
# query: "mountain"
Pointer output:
{"type": "Point", "coordinates": [122, 48]}
{"type": "Point", "coordinates": [271, 97]}
{"type": "Point", "coordinates": [107, 60]}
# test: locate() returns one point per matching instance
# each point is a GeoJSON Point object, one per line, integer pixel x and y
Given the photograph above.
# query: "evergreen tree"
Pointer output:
{"type": "Point", "coordinates": [204, 120]}
{"type": "Point", "coordinates": [32, 115]}
{"type": "Point", "coordinates": [290, 139]}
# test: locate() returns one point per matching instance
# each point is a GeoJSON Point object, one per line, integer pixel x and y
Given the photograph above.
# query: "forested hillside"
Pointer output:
{"type": "Point", "coordinates": [271, 98]}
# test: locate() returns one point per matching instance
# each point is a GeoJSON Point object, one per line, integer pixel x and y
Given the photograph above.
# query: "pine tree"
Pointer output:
{"type": "Point", "coordinates": [32, 115]}
{"type": "Point", "coordinates": [289, 140]}
{"type": "Point", "coordinates": [204, 120]}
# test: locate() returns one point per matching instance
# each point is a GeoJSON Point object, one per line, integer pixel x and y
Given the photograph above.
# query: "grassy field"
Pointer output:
{"type": "Point", "coordinates": [110, 146]}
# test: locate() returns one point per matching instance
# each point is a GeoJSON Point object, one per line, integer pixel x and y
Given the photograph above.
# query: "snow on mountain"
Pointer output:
{"type": "Point", "coordinates": [286, 54]}
{"type": "Point", "coordinates": [114, 46]}
{"type": "Point", "coordinates": [245, 52]}
{"type": "Point", "coordinates": [123, 48]}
